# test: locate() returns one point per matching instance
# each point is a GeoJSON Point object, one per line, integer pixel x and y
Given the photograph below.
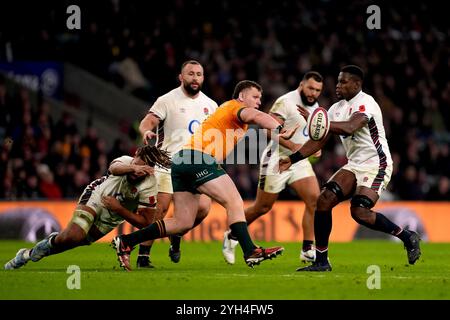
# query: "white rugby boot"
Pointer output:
{"type": "Point", "coordinates": [229, 248]}
{"type": "Point", "coordinates": [21, 259]}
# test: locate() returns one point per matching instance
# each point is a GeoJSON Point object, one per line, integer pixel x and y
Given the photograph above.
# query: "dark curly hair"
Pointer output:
{"type": "Point", "coordinates": [151, 155]}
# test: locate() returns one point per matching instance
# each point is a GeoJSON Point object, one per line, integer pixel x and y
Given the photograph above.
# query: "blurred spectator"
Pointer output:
{"type": "Point", "coordinates": [409, 187]}
{"type": "Point", "coordinates": [441, 191]}
{"type": "Point", "coordinates": [5, 115]}
{"type": "Point", "coordinates": [119, 149]}
{"type": "Point", "coordinates": [65, 126]}
{"type": "Point", "coordinates": [47, 186]}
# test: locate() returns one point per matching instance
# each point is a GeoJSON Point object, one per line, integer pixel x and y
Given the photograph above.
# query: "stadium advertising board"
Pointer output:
{"type": "Point", "coordinates": [281, 224]}
{"type": "Point", "coordinates": [45, 77]}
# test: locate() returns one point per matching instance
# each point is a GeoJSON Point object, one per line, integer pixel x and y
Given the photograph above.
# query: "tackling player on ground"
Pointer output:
{"type": "Point", "coordinates": [128, 192]}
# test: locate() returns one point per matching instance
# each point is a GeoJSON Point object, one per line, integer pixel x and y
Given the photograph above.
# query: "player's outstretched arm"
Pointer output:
{"type": "Point", "coordinates": [349, 127]}
{"type": "Point", "coordinates": [147, 127]}
{"type": "Point", "coordinates": [308, 148]}
{"type": "Point", "coordinates": [250, 115]}
{"type": "Point", "coordinates": [284, 138]}
{"type": "Point", "coordinates": [311, 147]}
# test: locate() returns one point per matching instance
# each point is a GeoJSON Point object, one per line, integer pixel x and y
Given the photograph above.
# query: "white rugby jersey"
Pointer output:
{"type": "Point", "coordinates": [368, 146]}
{"type": "Point", "coordinates": [130, 196]}
{"type": "Point", "coordinates": [179, 116]}
{"type": "Point", "coordinates": [286, 108]}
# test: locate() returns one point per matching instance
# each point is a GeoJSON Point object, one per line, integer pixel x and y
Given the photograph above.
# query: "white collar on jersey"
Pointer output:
{"type": "Point", "coordinates": [355, 97]}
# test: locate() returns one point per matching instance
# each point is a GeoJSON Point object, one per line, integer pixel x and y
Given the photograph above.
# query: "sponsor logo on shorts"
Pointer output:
{"type": "Point", "coordinates": [201, 173]}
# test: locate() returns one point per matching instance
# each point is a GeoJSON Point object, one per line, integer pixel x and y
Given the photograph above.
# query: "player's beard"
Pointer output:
{"type": "Point", "coordinates": [305, 100]}
{"type": "Point", "coordinates": [190, 91]}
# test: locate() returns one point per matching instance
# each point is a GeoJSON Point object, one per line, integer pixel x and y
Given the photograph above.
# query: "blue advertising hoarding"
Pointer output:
{"type": "Point", "coordinates": [43, 76]}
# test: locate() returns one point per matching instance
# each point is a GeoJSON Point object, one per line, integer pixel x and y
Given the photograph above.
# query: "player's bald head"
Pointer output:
{"type": "Point", "coordinates": [190, 62]}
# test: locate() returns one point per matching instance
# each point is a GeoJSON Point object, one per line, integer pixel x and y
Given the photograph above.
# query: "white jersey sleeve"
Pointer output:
{"type": "Point", "coordinates": [159, 108]}
{"type": "Point", "coordinates": [280, 108]}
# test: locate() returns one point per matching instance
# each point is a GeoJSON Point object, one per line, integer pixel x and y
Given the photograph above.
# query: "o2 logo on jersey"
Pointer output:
{"type": "Point", "coordinates": [193, 125]}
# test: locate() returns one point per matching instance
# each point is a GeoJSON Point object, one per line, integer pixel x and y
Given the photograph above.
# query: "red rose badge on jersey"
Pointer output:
{"type": "Point", "coordinates": [152, 201]}
{"type": "Point", "coordinates": [206, 111]}
{"type": "Point", "coordinates": [362, 108]}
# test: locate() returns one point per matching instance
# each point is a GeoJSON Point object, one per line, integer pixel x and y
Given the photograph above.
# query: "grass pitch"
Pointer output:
{"type": "Point", "coordinates": [202, 274]}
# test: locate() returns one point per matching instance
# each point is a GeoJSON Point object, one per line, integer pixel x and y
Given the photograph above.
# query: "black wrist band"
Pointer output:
{"type": "Point", "coordinates": [296, 157]}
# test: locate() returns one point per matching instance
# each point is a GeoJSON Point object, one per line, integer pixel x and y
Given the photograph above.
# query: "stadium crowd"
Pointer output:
{"type": "Point", "coordinates": [140, 48]}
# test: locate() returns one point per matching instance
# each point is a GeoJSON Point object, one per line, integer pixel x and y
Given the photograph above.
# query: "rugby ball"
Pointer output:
{"type": "Point", "coordinates": [318, 124]}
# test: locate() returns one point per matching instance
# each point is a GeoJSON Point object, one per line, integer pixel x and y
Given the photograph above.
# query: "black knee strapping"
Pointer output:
{"type": "Point", "coordinates": [362, 201]}
{"type": "Point", "coordinates": [335, 188]}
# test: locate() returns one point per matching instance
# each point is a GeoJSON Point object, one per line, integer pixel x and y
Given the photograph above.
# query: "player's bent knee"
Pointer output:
{"type": "Point", "coordinates": [335, 189]}
{"type": "Point", "coordinates": [362, 201]}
